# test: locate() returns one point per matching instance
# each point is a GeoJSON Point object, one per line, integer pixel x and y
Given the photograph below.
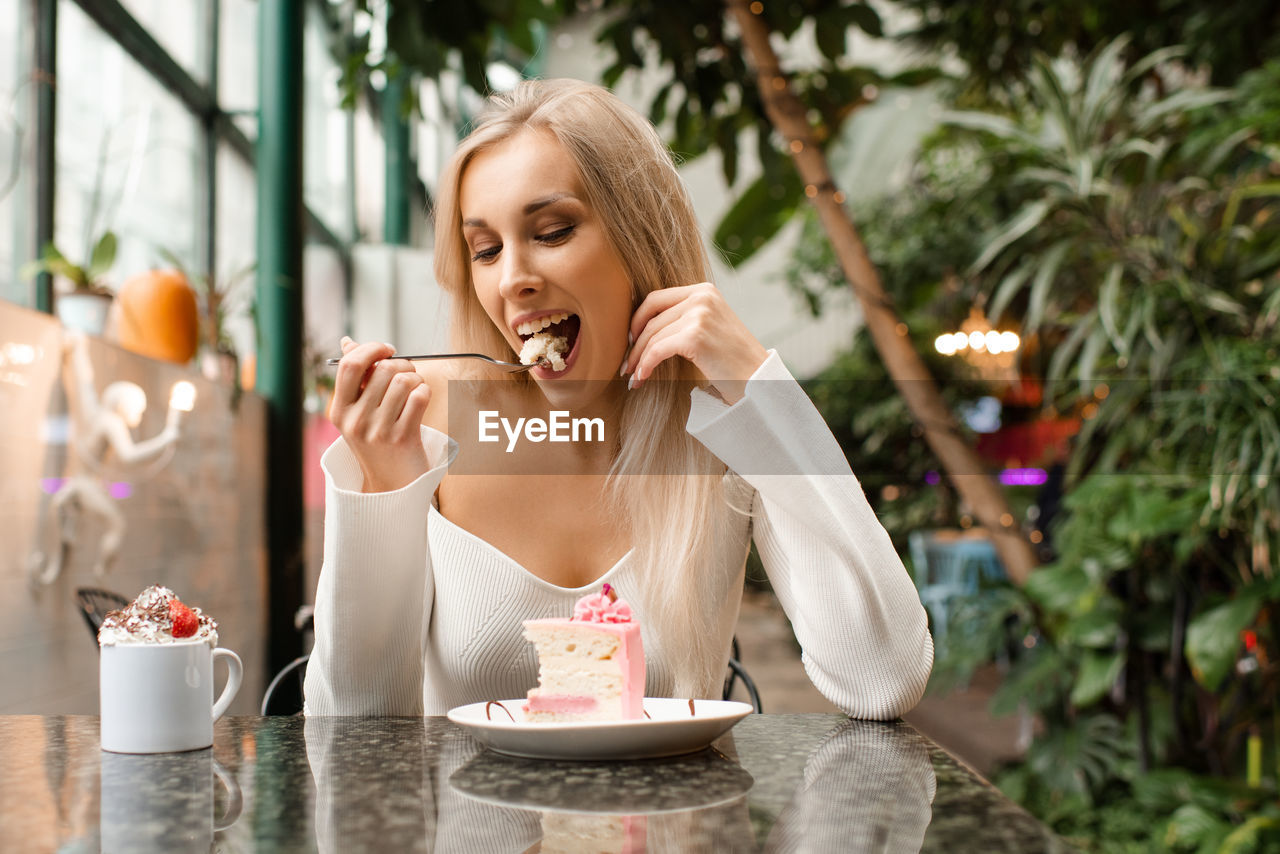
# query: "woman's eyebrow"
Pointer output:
{"type": "Point", "coordinates": [535, 205]}
{"type": "Point", "coordinates": [538, 204]}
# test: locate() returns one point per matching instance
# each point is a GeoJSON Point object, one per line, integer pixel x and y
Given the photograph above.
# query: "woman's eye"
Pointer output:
{"type": "Point", "coordinates": [557, 236]}
{"type": "Point", "coordinates": [487, 254]}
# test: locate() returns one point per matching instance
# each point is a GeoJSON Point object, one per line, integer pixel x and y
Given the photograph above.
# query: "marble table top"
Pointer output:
{"type": "Point", "coordinates": [774, 783]}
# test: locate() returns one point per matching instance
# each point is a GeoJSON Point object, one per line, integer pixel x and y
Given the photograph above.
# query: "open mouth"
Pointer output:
{"type": "Point", "coordinates": [551, 338]}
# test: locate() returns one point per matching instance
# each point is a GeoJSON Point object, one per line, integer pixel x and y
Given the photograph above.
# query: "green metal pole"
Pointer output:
{"type": "Point", "coordinates": [46, 62]}
{"type": "Point", "coordinates": [395, 133]}
{"type": "Point", "coordinates": [279, 293]}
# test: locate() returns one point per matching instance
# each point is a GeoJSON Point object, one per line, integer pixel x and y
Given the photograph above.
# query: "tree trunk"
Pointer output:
{"type": "Point", "coordinates": [965, 470]}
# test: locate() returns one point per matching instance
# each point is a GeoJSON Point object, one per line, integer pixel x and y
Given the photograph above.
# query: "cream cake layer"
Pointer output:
{"type": "Point", "coordinates": [586, 670]}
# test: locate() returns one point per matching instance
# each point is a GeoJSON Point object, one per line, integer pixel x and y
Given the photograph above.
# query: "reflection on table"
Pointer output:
{"type": "Point", "coordinates": [774, 783]}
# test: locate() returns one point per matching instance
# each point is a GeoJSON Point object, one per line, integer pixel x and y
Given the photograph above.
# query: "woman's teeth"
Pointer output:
{"type": "Point", "coordinates": [532, 326]}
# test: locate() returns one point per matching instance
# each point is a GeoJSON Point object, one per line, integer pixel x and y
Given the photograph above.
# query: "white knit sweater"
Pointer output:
{"type": "Point", "coordinates": [414, 615]}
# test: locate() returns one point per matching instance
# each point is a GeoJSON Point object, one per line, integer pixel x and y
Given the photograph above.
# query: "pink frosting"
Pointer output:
{"type": "Point", "coordinates": [602, 607]}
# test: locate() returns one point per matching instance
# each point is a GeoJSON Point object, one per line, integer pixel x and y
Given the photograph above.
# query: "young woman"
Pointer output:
{"type": "Point", "coordinates": [565, 205]}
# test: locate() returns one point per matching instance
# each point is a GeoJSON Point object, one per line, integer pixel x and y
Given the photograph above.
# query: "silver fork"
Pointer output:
{"type": "Point", "coordinates": [507, 367]}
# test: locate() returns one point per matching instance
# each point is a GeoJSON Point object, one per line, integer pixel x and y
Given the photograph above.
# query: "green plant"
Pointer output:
{"type": "Point", "coordinates": [88, 277]}
{"type": "Point", "coordinates": [220, 298]}
{"type": "Point", "coordinates": [1142, 252]}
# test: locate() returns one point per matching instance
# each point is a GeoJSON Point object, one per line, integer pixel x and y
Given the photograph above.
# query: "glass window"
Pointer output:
{"type": "Point", "coordinates": [324, 295]}
{"type": "Point", "coordinates": [128, 155]}
{"type": "Point", "coordinates": [17, 102]}
{"type": "Point", "coordinates": [179, 26]}
{"type": "Point", "coordinates": [236, 245]}
{"type": "Point", "coordinates": [325, 131]}
{"type": "Point", "coordinates": [371, 154]}
{"type": "Point", "coordinates": [238, 62]}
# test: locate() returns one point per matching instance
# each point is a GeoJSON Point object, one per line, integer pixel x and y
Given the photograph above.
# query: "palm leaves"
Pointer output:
{"type": "Point", "coordinates": [1142, 249]}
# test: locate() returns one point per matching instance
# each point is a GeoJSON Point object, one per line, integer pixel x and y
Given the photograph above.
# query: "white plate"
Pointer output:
{"type": "Point", "coordinates": [670, 730]}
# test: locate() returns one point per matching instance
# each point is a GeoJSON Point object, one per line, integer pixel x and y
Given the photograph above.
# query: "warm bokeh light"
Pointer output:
{"type": "Point", "coordinates": [182, 396]}
{"type": "Point", "coordinates": [976, 337]}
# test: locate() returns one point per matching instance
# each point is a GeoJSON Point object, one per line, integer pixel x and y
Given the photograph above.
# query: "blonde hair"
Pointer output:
{"type": "Point", "coordinates": [664, 482]}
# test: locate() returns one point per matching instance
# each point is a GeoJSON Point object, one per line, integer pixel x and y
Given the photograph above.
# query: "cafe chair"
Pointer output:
{"type": "Point", "coordinates": [270, 705]}
{"type": "Point", "coordinates": [736, 672]}
{"type": "Point", "coordinates": [272, 699]}
{"type": "Point", "coordinates": [951, 566]}
{"type": "Point", "coordinates": [94, 603]}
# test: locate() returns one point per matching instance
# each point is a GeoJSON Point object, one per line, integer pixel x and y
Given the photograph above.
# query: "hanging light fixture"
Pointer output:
{"type": "Point", "coordinates": [990, 351]}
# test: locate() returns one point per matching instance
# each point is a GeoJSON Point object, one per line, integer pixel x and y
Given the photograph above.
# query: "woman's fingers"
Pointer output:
{"type": "Point", "coordinates": [378, 406]}
{"type": "Point", "coordinates": [695, 323]}
{"type": "Point", "coordinates": [415, 409]}
{"type": "Point", "coordinates": [683, 336]}
{"type": "Point", "coordinates": [357, 360]}
{"type": "Point", "coordinates": [658, 310]}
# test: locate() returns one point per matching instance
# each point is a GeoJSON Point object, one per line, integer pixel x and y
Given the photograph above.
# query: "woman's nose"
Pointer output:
{"type": "Point", "coordinates": [518, 280]}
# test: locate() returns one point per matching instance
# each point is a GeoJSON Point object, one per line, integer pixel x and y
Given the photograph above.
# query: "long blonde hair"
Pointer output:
{"type": "Point", "coordinates": [663, 481]}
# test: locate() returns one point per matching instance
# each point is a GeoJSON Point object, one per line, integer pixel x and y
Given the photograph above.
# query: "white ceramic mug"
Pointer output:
{"type": "Point", "coordinates": [164, 804]}
{"type": "Point", "coordinates": [158, 697]}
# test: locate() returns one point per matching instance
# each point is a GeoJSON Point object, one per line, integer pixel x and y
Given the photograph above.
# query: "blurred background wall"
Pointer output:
{"type": "Point", "coordinates": [192, 516]}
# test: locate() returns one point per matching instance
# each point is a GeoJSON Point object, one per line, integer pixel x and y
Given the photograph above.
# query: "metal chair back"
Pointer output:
{"type": "Point", "coordinates": [94, 604]}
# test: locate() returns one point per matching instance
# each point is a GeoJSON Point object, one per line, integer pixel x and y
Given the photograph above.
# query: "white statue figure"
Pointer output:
{"type": "Point", "coordinates": [102, 439]}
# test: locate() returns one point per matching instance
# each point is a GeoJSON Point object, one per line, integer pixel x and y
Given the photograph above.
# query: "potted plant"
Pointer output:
{"type": "Point", "coordinates": [216, 299]}
{"type": "Point", "coordinates": [85, 305]}
{"type": "Point", "coordinates": [221, 299]}
{"type": "Point", "coordinates": [157, 315]}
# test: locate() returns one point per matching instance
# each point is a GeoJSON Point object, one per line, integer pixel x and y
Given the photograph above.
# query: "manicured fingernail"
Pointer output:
{"type": "Point", "coordinates": [632, 383]}
{"type": "Point", "coordinates": [630, 339]}
{"type": "Point", "coordinates": [622, 369]}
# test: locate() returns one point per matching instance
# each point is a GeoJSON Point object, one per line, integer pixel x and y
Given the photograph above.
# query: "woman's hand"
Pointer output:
{"type": "Point", "coordinates": [378, 405]}
{"type": "Point", "coordinates": [694, 322]}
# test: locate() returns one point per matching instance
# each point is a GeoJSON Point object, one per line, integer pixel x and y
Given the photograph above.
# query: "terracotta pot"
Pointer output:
{"type": "Point", "coordinates": [157, 316]}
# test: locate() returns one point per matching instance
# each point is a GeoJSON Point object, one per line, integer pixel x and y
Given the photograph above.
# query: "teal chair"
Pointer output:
{"type": "Point", "coordinates": [949, 567]}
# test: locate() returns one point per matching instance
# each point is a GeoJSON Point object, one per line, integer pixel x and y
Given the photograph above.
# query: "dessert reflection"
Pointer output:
{"type": "Point", "coordinates": [864, 787]}
{"type": "Point", "coordinates": [687, 803]}
{"type": "Point", "coordinates": [867, 786]}
{"type": "Point", "coordinates": [448, 793]}
{"type": "Point", "coordinates": [164, 802]}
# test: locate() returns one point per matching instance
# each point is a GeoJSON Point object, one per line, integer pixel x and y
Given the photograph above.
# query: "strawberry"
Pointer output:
{"type": "Point", "coordinates": [183, 620]}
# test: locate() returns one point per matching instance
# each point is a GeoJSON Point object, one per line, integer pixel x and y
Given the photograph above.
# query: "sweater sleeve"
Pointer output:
{"type": "Point", "coordinates": [375, 589]}
{"type": "Point", "coordinates": [863, 632]}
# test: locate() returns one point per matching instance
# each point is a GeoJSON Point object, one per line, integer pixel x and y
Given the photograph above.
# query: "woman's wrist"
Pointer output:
{"type": "Point", "coordinates": [733, 390]}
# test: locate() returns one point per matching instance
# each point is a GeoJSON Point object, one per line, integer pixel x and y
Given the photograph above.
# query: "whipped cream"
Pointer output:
{"type": "Point", "coordinates": [146, 620]}
{"type": "Point", "coordinates": [544, 345]}
{"type": "Point", "coordinates": [602, 607]}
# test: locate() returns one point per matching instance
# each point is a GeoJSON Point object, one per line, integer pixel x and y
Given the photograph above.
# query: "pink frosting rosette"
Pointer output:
{"type": "Point", "coordinates": [602, 607]}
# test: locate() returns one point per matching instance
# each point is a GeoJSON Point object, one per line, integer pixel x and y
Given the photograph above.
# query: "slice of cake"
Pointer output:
{"type": "Point", "coordinates": [590, 667]}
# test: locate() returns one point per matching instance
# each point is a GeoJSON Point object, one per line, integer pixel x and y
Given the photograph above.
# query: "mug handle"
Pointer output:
{"type": "Point", "coordinates": [235, 798]}
{"type": "Point", "coordinates": [235, 671]}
